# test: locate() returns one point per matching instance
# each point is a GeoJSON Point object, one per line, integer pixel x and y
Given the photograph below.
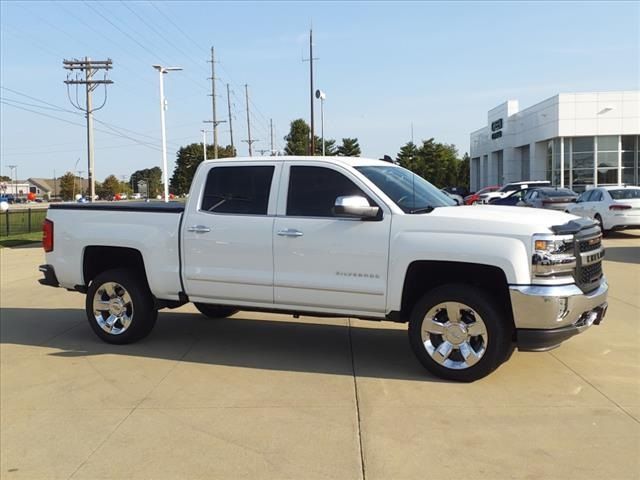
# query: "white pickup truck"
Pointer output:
{"type": "Point", "coordinates": [336, 236]}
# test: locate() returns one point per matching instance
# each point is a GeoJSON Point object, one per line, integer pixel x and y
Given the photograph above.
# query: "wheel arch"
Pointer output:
{"type": "Point", "coordinates": [98, 259]}
{"type": "Point", "coordinates": [424, 275]}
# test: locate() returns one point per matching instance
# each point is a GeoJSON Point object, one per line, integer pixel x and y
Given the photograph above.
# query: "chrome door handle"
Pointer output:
{"type": "Point", "coordinates": [198, 229]}
{"type": "Point", "coordinates": [290, 232]}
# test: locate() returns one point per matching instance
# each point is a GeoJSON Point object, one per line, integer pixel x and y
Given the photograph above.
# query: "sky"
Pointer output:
{"type": "Point", "coordinates": [384, 66]}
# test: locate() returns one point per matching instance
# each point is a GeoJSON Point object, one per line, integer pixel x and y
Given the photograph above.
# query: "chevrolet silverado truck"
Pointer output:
{"type": "Point", "coordinates": [336, 237]}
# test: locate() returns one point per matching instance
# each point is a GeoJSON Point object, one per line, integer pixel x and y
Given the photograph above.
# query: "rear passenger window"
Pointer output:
{"type": "Point", "coordinates": [239, 190]}
{"type": "Point", "coordinates": [596, 196]}
{"type": "Point", "coordinates": [313, 191]}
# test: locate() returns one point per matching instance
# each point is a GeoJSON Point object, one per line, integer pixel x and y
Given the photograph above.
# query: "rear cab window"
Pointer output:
{"type": "Point", "coordinates": [240, 190]}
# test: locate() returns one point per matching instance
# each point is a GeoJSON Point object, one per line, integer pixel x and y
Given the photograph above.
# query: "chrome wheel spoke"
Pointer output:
{"type": "Point", "coordinates": [476, 328]}
{"type": "Point", "coordinates": [441, 354]}
{"type": "Point", "coordinates": [100, 305]}
{"type": "Point", "coordinates": [469, 354]}
{"type": "Point", "coordinates": [433, 327]}
{"type": "Point", "coordinates": [108, 289]}
{"type": "Point", "coordinates": [453, 311]}
{"type": "Point", "coordinates": [126, 298]}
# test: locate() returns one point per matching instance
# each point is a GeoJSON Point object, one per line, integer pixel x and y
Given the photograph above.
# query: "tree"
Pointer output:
{"type": "Point", "coordinates": [329, 146]}
{"type": "Point", "coordinates": [4, 178]}
{"type": "Point", "coordinates": [150, 176]}
{"type": "Point", "coordinates": [408, 153]}
{"type": "Point", "coordinates": [463, 171]}
{"type": "Point", "coordinates": [436, 162]}
{"type": "Point", "coordinates": [109, 188]}
{"type": "Point", "coordinates": [349, 148]}
{"type": "Point", "coordinates": [297, 138]}
{"type": "Point", "coordinates": [188, 159]}
{"type": "Point", "coordinates": [67, 184]}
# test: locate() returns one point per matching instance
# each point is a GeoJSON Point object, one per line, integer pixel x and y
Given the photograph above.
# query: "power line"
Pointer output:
{"type": "Point", "coordinates": [77, 124]}
{"type": "Point", "coordinates": [110, 125]}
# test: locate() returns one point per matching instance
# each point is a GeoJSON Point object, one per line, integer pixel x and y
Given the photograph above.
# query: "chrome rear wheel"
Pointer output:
{"type": "Point", "coordinates": [113, 308]}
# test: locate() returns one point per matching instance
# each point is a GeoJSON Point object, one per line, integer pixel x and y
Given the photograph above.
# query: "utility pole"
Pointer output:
{"type": "Point", "coordinates": [249, 141]}
{"type": "Point", "coordinates": [90, 68]}
{"type": "Point", "coordinates": [273, 152]}
{"type": "Point", "coordinates": [233, 148]}
{"type": "Point", "coordinates": [262, 151]}
{"type": "Point", "coordinates": [215, 120]}
{"type": "Point", "coordinates": [312, 142]}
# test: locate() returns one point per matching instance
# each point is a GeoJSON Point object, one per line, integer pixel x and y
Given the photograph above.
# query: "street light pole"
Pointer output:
{"type": "Point", "coordinates": [321, 95]}
{"type": "Point", "coordinates": [163, 106]}
{"type": "Point", "coordinates": [204, 143]}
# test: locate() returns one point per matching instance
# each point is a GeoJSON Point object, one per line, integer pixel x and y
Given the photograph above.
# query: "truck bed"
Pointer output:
{"type": "Point", "coordinates": [151, 228]}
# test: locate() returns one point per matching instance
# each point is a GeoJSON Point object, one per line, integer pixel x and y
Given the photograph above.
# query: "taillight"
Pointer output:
{"type": "Point", "coordinates": [619, 207]}
{"type": "Point", "coordinates": [47, 236]}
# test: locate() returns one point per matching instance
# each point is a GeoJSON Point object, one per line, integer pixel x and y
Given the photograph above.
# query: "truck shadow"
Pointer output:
{"type": "Point", "coordinates": [236, 342]}
{"type": "Point", "coordinates": [622, 254]}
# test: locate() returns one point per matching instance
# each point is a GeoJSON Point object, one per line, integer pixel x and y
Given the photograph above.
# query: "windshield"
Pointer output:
{"type": "Point", "coordinates": [411, 192]}
{"type": "Point", "coordinates": [626, 194]}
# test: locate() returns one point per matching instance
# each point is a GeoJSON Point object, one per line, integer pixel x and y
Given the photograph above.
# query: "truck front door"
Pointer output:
{"type": "Point", "coordinates": [323, 261]}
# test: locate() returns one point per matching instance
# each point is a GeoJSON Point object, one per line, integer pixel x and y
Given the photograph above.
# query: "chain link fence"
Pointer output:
{"type": "Point", "coordinates": [24, 220]}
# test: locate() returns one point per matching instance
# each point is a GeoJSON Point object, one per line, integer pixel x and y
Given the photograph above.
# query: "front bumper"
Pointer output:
{"type": "Point", "coordinates": [545, 316]}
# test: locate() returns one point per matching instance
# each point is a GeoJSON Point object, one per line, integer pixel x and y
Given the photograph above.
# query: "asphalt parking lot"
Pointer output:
{"type": "Point", "coordinates": [269, 396]}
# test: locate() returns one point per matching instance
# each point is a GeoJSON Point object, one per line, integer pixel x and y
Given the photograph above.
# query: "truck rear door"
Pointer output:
{"type": "Point", "coordinates": [227, 233]}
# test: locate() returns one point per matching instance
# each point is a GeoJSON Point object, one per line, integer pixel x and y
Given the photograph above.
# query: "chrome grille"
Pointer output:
{"type": "Point", "coordinates": [590, 244]}
{"type": "Point", "coordinates": [588, 277]}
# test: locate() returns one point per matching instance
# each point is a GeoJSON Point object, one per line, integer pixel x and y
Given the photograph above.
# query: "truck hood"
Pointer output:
{"type": "Point", "coordinates": [498, 220]}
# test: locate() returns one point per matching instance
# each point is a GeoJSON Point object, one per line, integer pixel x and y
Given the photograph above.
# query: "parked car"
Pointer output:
{"type": "Point", "coordinates": [511, 187]}
{"type": "Point", "coordinates": [474, 198]}
{"type": "Point", "coordinates": [550, 198]}
{"type": "Point", "coordinates": [514, 199]}
{"type": "Point", "coordinates": [462, 191]}
{"type": "Point", "coordinates": [456, 198]}
{"type": "Point", "coordinates": [613, 208]}
{"type": "Point", "coordinates": [335, 236]}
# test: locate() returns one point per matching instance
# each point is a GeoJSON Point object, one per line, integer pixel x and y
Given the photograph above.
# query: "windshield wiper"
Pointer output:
{"type": "Point", "coordinates": [427, 209]}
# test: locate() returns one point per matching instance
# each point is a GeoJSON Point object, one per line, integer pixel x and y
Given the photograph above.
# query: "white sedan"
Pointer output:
{"type": "Point", "coordinates": [614, 208]}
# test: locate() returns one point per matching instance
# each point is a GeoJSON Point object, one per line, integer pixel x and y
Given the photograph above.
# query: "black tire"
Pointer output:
{"type": "Point", "coordinates": [598, 220]}
{"type": "Point", "coordinates": [215, 311]}
{"type": "Point", "coordinates": [498, 329]}
{"type": "Point", "coordinates": [140, 310]}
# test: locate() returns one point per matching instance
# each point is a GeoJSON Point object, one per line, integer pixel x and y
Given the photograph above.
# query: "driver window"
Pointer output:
{"type": "Point", "coordinates": [313, 191]}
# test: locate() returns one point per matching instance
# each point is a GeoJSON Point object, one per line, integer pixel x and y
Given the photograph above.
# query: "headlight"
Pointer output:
{"type": "Point", "coordinates": [553, 256]}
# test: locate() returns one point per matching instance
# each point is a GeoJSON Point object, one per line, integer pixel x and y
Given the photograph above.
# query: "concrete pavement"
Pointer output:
{"type": "Point", "coordinates": [269, 396]}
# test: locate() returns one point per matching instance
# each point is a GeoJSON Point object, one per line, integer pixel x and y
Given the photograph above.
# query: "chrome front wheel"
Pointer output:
{"type": "Point", "coordinates": [113, 308]}
{"type": "Point", "coordinates": [454, 335]}
{"type": "Point", "coordinates": [460, 332]}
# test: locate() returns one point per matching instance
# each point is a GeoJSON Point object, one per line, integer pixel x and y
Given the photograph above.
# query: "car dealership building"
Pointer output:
{"type": "Point", "coordinates": [575, 140]}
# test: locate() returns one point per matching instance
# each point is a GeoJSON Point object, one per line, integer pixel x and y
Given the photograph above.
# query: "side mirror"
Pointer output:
{"type": "Point", "coordinates": [354, 206]}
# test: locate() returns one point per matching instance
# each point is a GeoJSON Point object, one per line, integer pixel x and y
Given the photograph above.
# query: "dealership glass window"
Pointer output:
{"type": "Point", "coordinates": [608, 143]}
{"type": "Point", "coordinates": [582, 162]}
{"type": "Point", "coordinates": [581, 178]}
{"type": "Point", "coordinates": [607, 159]}
{"type": "Point", "coordinates": [607, 176]}
{"type": "Point", "coordinates": [582, 144]}
{"type": "Point", "coordinates": [630, 159]}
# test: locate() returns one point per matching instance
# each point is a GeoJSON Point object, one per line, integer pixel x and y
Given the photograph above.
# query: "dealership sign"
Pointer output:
{"type": "Point", "coordinates": [496, 129]}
